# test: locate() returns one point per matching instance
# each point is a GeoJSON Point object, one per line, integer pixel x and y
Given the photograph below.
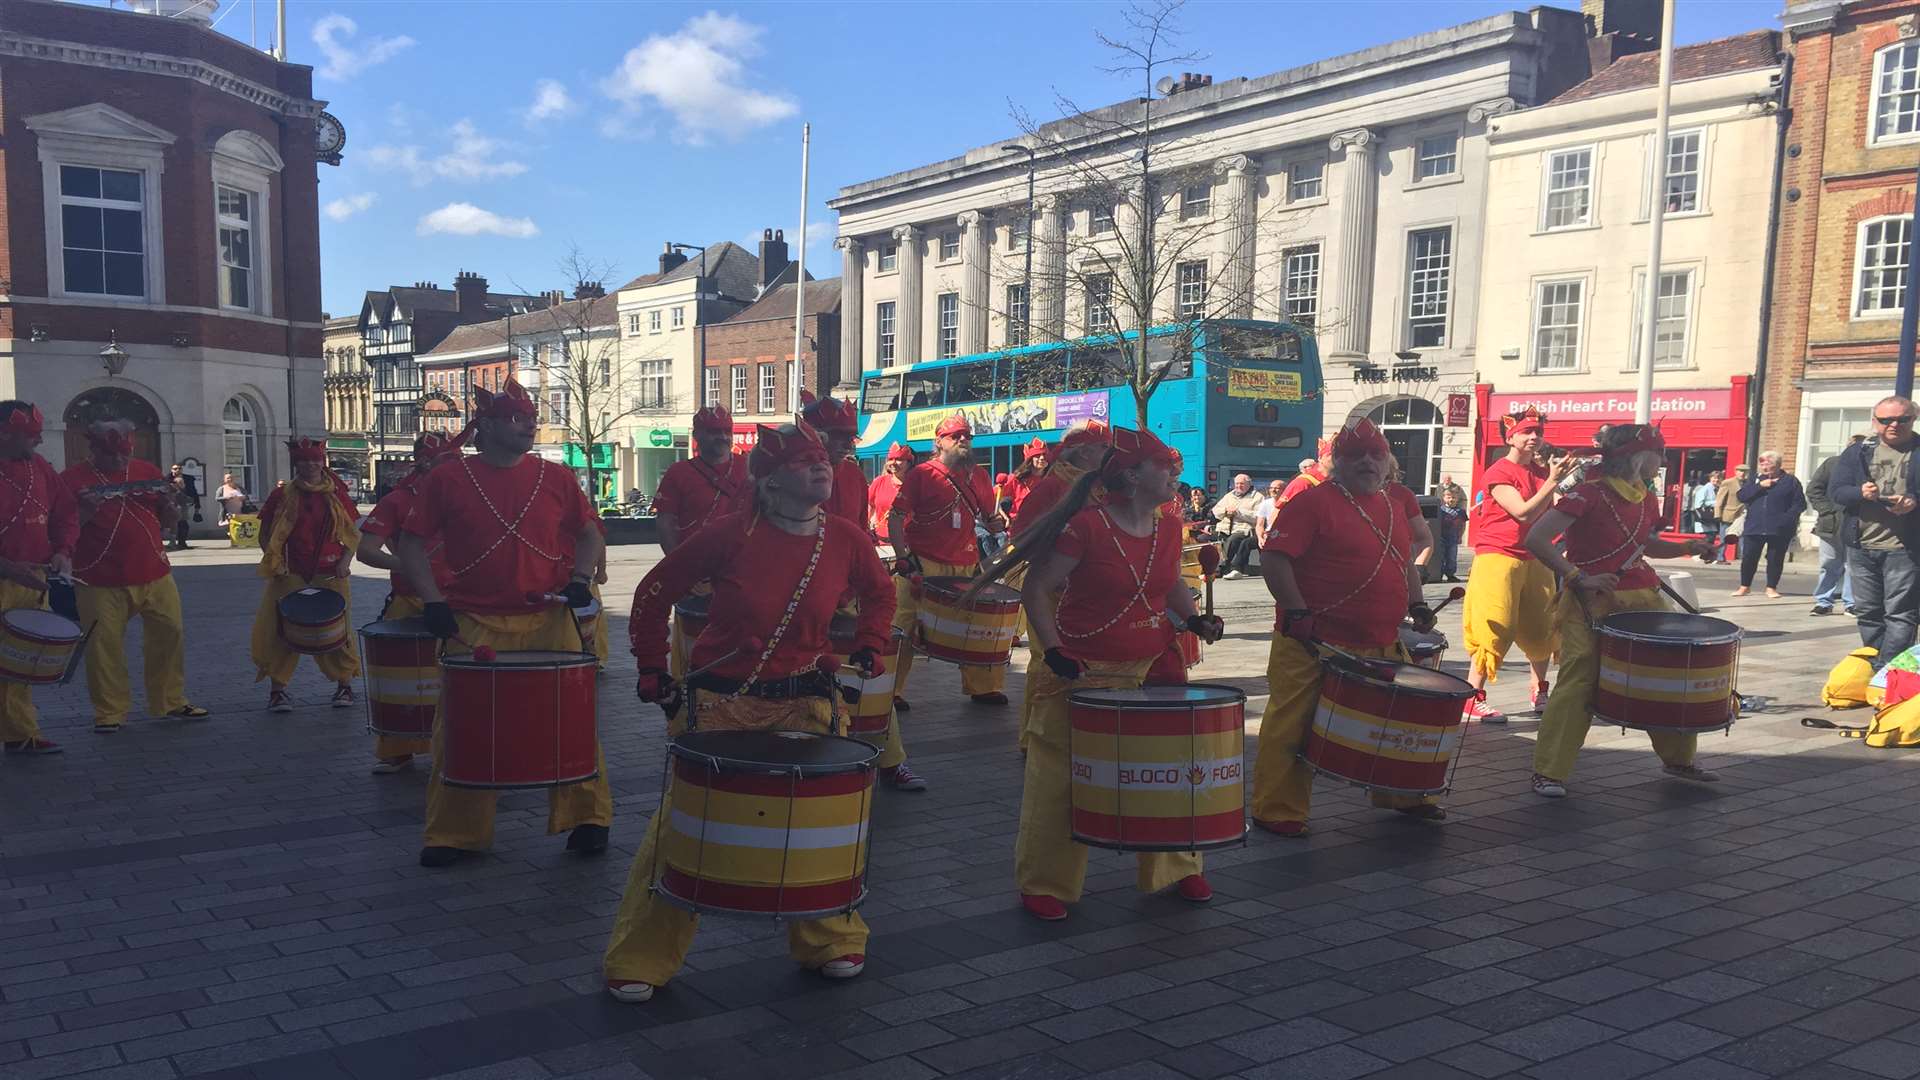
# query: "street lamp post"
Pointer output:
{"type": "Point", "coordinates": [1026, 276]}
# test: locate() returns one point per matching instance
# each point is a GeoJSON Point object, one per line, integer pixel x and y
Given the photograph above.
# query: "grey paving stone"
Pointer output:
{"type": "Point", "coordinates": [1711, 986]}
{"type": "Point", "coordinates": [1881, 1057]}
{"type": "Point", "coordinates": [1475, 985]}
{"type": "Point", "coordinates": [1284, 1039]}
{"type": "Point", "coordinates": [1639, 1009]}
{"type": "Point", "coordinates": [1594, 985]}
{"type": "Point", "coordinates": [1676, 1040]}
{"type": "Point", "coordinates": [1552, 1038]}
{"type": "Point", "coordinates": [1479, 1059]}
{"type": "Point", "coordinates": [1328, 1063]}
{"type": "Point", "coordinates": [1748, 1015]}
{"type": "Point", "coordinates": [1102, 991]}
{"type": "Point", "coordinates": [1609, 1060]}
{"type": "Point", "coordinates": [1417, 1039]}
{"type": "Point", "coordinates": [1780, 1050]}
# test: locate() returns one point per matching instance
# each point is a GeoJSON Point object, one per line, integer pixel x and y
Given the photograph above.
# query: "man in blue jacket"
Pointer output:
{"type": "Point", "coordinates": [1875, 484]}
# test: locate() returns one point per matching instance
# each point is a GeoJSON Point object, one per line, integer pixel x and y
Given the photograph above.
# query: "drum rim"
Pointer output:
{"type": "Point", "coordinates": [370, 629]}
{"type": "Point", "coordinates": [1634, 726]}
{"type": "Point", "coordinates": [1239, 698]}
{"type": "Point", "coordinates": [35, 636]}
{"type": "Point", "coordinates": [579, 659]}
{"type": "Point", "coordinates": [659, 889]}
{"type": "Point", "coordinates": [1209, 845]}
{"type": "Point", "coordinates": [773, 768]}
{"type": "Point", "coordinates": [1327, 665]}
{"type": "Point", "coordinates": [1735, 632]}
{"type": "Point", "coordinates": [931, 581]}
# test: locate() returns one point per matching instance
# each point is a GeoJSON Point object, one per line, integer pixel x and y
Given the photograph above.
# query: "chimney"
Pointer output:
{"type": "Point", "coordinates": [471, 289]}
{"type": "Point", "coordinates": [1617, 28]}
{"type": "Point", "coordinates": [773, 256]}
{"type": "Point", "coordinates": [1190, 81]}
{"type": "Point", "coordinates": [589, 290]}
{"type": "Point", "coordinates": [669, 258]}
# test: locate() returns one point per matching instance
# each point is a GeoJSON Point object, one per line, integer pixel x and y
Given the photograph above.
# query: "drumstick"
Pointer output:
{"type": "Point", "coordinates": [749, 646]}
{"type": "Point", "coordinates": [1456, 594]}
{"type": "Point", "coordinates": [1209, 562]}
{"type": "Point", "coordinates": [1640, 556]}
{"type": "Point", "coordinates": [1379, 668]}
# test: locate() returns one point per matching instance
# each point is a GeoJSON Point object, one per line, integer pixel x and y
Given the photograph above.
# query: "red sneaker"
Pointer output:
{"type": "Point", "coordinates": [1045, 908]}
{"type": "Point", "coordinates": [1481, 711]}
{"type": "Point", "coordinates": [34, 746]}
{"type": "Point", "coordinates": [1194, 889]}
{"type": "Point", "coordinates": [1540, 695]}
{"type": "Point", "coordinates": [844, 967]}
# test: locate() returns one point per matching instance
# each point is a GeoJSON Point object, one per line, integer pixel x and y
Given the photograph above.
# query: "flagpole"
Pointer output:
{"type": "Point", "coordinates": [800, 275]}
{"type": "Point", "coordinates": [1650, 302]}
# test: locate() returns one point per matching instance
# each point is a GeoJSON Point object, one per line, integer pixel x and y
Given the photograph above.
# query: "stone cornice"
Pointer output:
{"type": "Point", "coordinates": [52, 50]}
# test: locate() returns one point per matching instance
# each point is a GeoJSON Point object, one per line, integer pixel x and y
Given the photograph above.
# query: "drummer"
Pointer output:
{"type": "Point", "coordinates": [307, 540]}
{"type": "Point", "coordinates": [1310, 476]}
{"type": "Point", "coordinates": [1610, 523]}
{"type": "Point", "coordinates": [1339, 563]}
{"type": "Point", "coordinates": [379, 541]}
{"type": "Point", "coordinates": [1510, 593]}
{"type": "Point", "coordinates": [121, 571]}
{"type": "Point", "coordinates": [515, 529]}
{"type": "Point", "coordinates": [1113, 569]}
{"type": "Point", "coordinates": [932, 526]}
{"type": "Point", "coordinates": [1034, 458]}
{"type": "Point", "coordinates": [1079, 452]}
{"type": "Point", "coordinates": [38, 527]}
{"type": "Point", "coordinates": [696, 490]}
{"type": "Point", "coordinates": [778, 572]}
{"type": "Point", "coordinates": [885, 488]}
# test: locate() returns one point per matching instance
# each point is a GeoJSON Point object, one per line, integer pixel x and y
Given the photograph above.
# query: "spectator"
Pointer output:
{"type": "Point", "coordinates": [1459, 493]}
{"type": "Point", "coordinates": [1835, 582]}
{"type": "Point", "coordinates": [1238, 511]}
{"type": "Point", "coordinates": [1874, 485]}
{"type": "Point", "coordinates": [1705, 517]}
{"type": "Point", "coordinates": [1728, 507]}
{"type": "Point", "coordinates": [186, 495]}
{"type": "Point", "coordinates": [1450, 522]}
{"type": "Point", "coordinates": [231, 498]}
{"type": "Point", "coordinates": [1199, 515]}
{"type": "Point", "coordinates": [1774, 502]}
{"type": "Point", "coordinates": [1272, 503]}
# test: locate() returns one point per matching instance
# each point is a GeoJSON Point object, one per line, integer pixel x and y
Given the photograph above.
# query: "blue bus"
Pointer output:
{"type": "Point", "coordinates": [1239, 396]}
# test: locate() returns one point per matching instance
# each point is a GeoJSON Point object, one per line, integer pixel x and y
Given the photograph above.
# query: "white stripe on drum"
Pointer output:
{"type": "Point", "coordinates": [767, 838]}
{"type": "Point", "coordinates": [1159, 775]}
{"type": "Point", "coordinates": [1366, 731]}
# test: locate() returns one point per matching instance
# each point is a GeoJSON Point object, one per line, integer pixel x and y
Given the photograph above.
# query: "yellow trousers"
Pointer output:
{"type": "Point", "coordinates": [1563, 727]}
{"type": "Point", "coordinates": [463, 817]}
{"type": "Point", "coordinates": [18, 718]}
{"type": "Point", "coordinates": [396, 746]}
{"type": "Point", "coordinates": [1035, 663]}
{"type": "Point", "coordinates": [1509, 602]}
{"type": "Point", "coordinates": [1047, 860]}
{"type": "Point", "coordinates": [650, 936]}
{"type": "Point", "coordinates": [108, 608]}
{"type": "Point", "coordinates": [974, 678]}
{"type": "Point", "coordinates": [272, 659]}
{"type": "Point", "coordinates": [1282, 783]}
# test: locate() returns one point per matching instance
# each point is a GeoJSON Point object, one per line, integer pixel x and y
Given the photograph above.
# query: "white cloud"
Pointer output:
{"type": "Point", "coordinates": [334, 35]}
{"type": "Point", "coordinates": [550, 99]}
{"type": "Point", "coordinates": [697, 74]}
{"type": "Point", "coordinates": [343, 208]}
{"type": "Point", "coordinates": [466, 219]}
{"type": "Point", "coordinates": [470, 156]}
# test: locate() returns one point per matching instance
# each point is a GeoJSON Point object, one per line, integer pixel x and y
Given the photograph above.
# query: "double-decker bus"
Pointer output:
{"type": "Point", "coordinates": [1239, 396]}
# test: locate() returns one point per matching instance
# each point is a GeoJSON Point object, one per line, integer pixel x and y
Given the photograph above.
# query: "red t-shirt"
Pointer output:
{"type": "Point", "coordinates": [389, 517]}
{"type": "Point", "coordinates": [1310, 477]}
{"type": "Point", "coordinates": [849, 498]}
{"type": "Point", "coordinates": [1114, 602]}
{"type": "Point", "coordinates": [1495, 530]}
{"type": "Point", "coordinates": [312, 550]}
{"type": "Point", "coordinates": [941, 508]}
{"type": "Point", "coordinates": [1611, 530]}
{"type": "Point", "coordinates": [1047, 492]}
{"type": "Point", "coordinates": [38, 518]}
{"type": "Point", "coordinates": [755, 573]}
{"type": "Point", "coordinates": [1018, 488]}
{"type": "Point", "coordinates": [507, 531]}
{"type": "Point", "coordinates": [693, 492]}
{"type": "Point", "coordinates": [120, 545]}
{"type": "Point", "coordinates": [880, 495]}
{"type": "Point", "coordinates": [1356, 590]}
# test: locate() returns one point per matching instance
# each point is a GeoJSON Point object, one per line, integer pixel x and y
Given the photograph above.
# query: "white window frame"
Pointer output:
{"type": "Point", "coordinates": [679, 319]}
{"type": "Point", "coordinates": [653, 321]}
{"type": "Point", "coordinates": [1288, 277]}
{"type": "Point", "coordinates": [102, 137]}
{"type": "Point", "coordinates": [1319, 180]}
{"type": "Point", "coordinates": [1019, 315]}
{"type": "Point", "coordinates": [223, 224]}
{"type": "Point", "coordinates": [1419, 156]}
{"type": "Point", "coordinates": [1692, 291]}
{"type": "Point", "coordinates": [710, 385]}
{"type": "Point", "coordinates": [739, 382]}
{"type": "Point", "coordinates": [886, 332]}
{"type": "Point", "coordinates": [1100, 220]}
{"type": "Point", "coordinates": [1860, 313]}
{"type": "Point", "coordinates": [946, 343]}
{"type": "Point", "coordinates": [769, 383]}
{"type": "Point", "coordinates": [1192, 208]}
{"type": "Point", "coordinates": [247, 429]}
{"type": "Point", "coordinates": [633, 322]}
{"type": "Point", "coordinates": [102, 204]}
{"type": "Point", "coordinates": [1100, 304]}
{"type": "Point", "coordinates": [948, 239]}
{"type": "Point", "coordinates": [1876, 97]}
{"type": "Point", "coordinates": [1547, 191]}
{"type": "Point", "coordinates": [1190, 306]}
{"type": "Point", "coordinates": [1700, 175]}
{"type": "Point", "coordinates": [1019, 232]}
{"type": "Point", "coordinates": [246, 162]}
{"type": "Point", "coordinates": [1452, 230]}
{"type": "Point", "coordinates": [887, 259]}
{"type": "Point", "coordinates": [1534, 325]}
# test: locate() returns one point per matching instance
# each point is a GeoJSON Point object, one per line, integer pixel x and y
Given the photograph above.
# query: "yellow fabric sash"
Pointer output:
{"type": "Point", "coordinates": [1631, 490]}
{"type": "Point", "coordinates": [273, 553]}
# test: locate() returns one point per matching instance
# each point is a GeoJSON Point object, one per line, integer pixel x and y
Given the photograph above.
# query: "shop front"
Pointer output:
{"type": "Point", "coordinates": [1705, 430]}
{"type": "Point", "coordinates": [652, 452]}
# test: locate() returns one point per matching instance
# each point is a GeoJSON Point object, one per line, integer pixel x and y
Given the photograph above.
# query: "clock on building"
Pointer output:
{"type": "Point", "coordinates": [329, 136]}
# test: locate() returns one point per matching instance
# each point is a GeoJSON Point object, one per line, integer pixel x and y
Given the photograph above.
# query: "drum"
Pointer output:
{"type": "Point", "coordinates": [37, 646]}
{"type": "Point", "coordinates": [586, 617]}
{"type": "Point", "coordinates": [1192, 649]}
{"type": "Point", "coordinates": [1425, 646]}
{"type": "Point", "coordinates": [520, 720]}
{"type": "Point", "coordinates": [769, 823]}
{"type": "Point", "coordinates": [1397, 735]}
{"type": "Point", "coordinates": [979, 632]}
{"type": "Point", "coordinates": [313, 620]}
{"type": "Point", "coordinates": [1667, 671]}
{"type": "Point", "coordinates": [1190, 571]}
{"type": "Point", "coordinates": [690, 619]}
{"type": "Point", "coordinates": [868, 717]}
{"type": "Point", "coordinates": [1158, 768]}
{"type": "Point", "coordinates": [403, 677]}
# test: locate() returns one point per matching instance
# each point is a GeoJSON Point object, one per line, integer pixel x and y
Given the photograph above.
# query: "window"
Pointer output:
{"type": "Point", "coordinates": [970, 382]}
{"type": "Point", "coordinates": [949, 246]}
{"type": "Point", "coordinates": [1092, 369]}
{"type": "Point", "coordinates": [1100, 220]}
{"type": "Point", "coordinates": [653, 321]}
{"type": "Point", "coordinates": [1672, 318]}
{"type": "Point", "coordinates": [559, 408]}
{"type": "Point", "coordinates": [739, 387]}
{"type": "Point", "coordinates": [1558, 311]}
{"type": "Point", "coordinates": [947, 342]}
{"type": "Point", "coordinates": [883, 330]}
{"type": "Point", "coordinates": [1306, 180]}
{"type": "Point", "coordinates": [679, 317]}
{"type": "Point", "coordinates": [373, 335]}
{"type": "Point", "coordinates": [1569, 189]}
{"type": "Point", "coordinates": [1100, 304]}
{"type": "Point", "coordinates": [889, 258]}
{"type": "Point", "coordinates": [709, 379]}
{"type": "Point", "coordinates": [880, 394]}
{"type": "Point", "coordinates": [1196, 201]}
{"type": "Point", "coordinates": [1436, 156]}
{"type": "Point", "coordinates": [1683, 173]}
{"type": "Point", "coordinates": [1190, 289]}
{"type": "Point", "coordinates": [633, 322]}
{"type": "Point", "coordinates": [606, 371]}
{"type": "Point", "coordinates": [1016, 315]}
{"type": "Point", "coordinates": [1300, 272]}
{"type": "Point", "coordinates": [926, 389]}
{"type": "Point", "coordinates": [241, 445]}
{"type": "Point", "coordinates": [767, 387]}
{"type": "Point", "coordinates": [1429, 283]}
{"type": "Point", "coordinates": [1886, 245]}
{"type": "Point", "coordinates": [234, 210]}
{"type": "Point", "coordinates": [1832, 430]}
{"type": "Point", "coordinates": [103, 231]}
{"type": "Point", "coordinates": [1896, 94]}
{"type": "Point", "coordinates": [1019, 230]}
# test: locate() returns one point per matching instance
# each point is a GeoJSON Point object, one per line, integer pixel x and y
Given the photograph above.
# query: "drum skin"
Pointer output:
{"type": "Point", "coordinates": [37, 646]}
{"type": "Point", "coordinates": [402, 660]}
{"type": "Point", "coordinates": [1159, 768]}
{"type": "Point", "coordinates": [1666, 671]}
{"type": "Point", "coordinates": [1428, 649]}
{"type": "Point", "coordinates": [313, 621]}
{"type": "Point", "coordinates": [1396, 736]}
{"type": "Point", "coordinates": [767, 823]}
{"type": "Point", "coordinates": [979, 633]}
{"type": "Point", "coordinates": [523, 720]}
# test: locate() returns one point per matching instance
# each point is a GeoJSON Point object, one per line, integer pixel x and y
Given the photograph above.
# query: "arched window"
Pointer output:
{"type": "Point", "coordinates": [1413, 427]}
{"type": "Point", "coordinates": [242, 444]}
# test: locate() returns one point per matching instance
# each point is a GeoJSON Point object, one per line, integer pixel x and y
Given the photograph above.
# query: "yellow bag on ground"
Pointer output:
{"type": "Point", "coordinates": [1895, 726]}
{"type": "Point", "coordinates": [1847, 683]}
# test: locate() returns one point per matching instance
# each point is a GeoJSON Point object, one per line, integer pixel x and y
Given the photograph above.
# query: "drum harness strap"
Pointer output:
{"type": "Point", "coordinates": [721, 486]}
{"type": "Point", "coordinates": [799, 685]}
{"type": "Point", "coordinates": [1386, 548]}
{"type": "Point", "coordinates": [1139, 581]}
{"type": "Point", "coordinates": [26, 496]}
{"type": "Point", "coordinates": [1629, 534]}
{"type": "Point", "coordinates": [107, 548]}
{"type": "Point", "coordinates": [513, 527]}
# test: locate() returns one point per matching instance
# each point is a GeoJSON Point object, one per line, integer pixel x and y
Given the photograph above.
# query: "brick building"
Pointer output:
{"type": "Point", "coordinates": [158, 191]}
{"type": "Point", "coordinates": [753, 354]}
{"type": "Point", "coordinates": [1844, 241]}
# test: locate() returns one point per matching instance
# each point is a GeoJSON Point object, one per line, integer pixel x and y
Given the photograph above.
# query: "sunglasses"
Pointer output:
{"type": "Point", "coordinates": [1904, 418]}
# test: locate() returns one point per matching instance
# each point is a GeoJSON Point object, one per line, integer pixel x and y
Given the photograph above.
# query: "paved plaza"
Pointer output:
{"type": "Point", "coordinates": [239, 898]}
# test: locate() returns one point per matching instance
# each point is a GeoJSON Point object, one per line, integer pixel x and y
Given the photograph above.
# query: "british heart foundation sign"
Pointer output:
{"type": "Point", "coordinates": [1613, 406]}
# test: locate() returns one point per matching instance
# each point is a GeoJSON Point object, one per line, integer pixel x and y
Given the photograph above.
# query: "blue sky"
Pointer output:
{"type": "Point", "coordinates": [492, 136]}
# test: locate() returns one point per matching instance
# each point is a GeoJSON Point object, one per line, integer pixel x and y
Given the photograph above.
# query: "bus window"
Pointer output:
{"type": "Point", "coordinates": [925, 390]}
{"type": "Point", "coordinates": [1244, 343]}
{"type": "Point", "coordinates": [1263, 437]}
{"type": "Point", "coordinates": [1170, 349]}
{"type": "Point", "coordinates": [1033, 374]}
{"type": "Point", "coordinates": [1093, 369]}
{"type": "Point", "coordinates": [970, 382]}
{"type": "Point", "coordinates": [881, 393]}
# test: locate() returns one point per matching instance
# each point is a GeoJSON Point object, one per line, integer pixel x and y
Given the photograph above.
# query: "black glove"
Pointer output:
{"type": "Point", "coordinates": [1061, 664]}
{"type": "Point", "coordinates": [868, 663]}
{"type": "Point", "coordinates": [577, 593]}
{"type": "Point", "coordinates": [907, 566]}
{"type": "Point", "coordinates": [1297, 623]}
{"type": "Point", "coordinates": [1207, 628]}
{"type": "Point", "coordinates": [661, 689]}
{"type": "Point", "coordinates": [440, 620]}
{"type": "Point", "coordinates": [1421, 616]}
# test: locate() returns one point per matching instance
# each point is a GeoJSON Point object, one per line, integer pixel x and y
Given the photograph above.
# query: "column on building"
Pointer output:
{"type": "Point", "coordinates": [1238, 197]}
{"type": "Point", "coordinates": [1359, 193]}
{"type": "Point", "coordinates": [853, 308]}
{"type": "Point", "coordinates": [1050, 269]}
{"type": "Point", "coordinates": [976, 281]}
{"type": "Point", "coordinates": [907, 347]}
{"type": "Point", "coordinates": [1130, 220]}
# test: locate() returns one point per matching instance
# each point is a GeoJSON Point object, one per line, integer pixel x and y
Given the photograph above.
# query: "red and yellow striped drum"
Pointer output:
{"type": "Point", "coordinates": [1387, 726]}
{"type": "Point", "coordinates": [524, 719]}
{"type": "Point", "coordinates": [37, 646]}
{"type": "Point", "coordinates": [1667, 671]}
{"type": "Point", "coordinates": [1158, 768]}
{"type": "Point", "coordinates": [866, 718]}
{"type": "Point", "coordinates": [770, 823]}
{"type": "Point", "coordinates": [1428, 648]}
{"type": "Point", "coordinates": [981, 631]}
{"type": "Point", "coordinates": [313, 621]}
{"type": "Point", "coordinates": [403, 677]}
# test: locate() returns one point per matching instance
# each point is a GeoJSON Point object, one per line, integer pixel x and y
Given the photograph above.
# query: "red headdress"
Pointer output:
{"type": "Point", "coordinates": [953, 426]}
{"type": "Point", "coordinates": [780, 447]}
{"type": "Point", "coordinates": [1091, 433]}
{"type": "Point", "coordinates": [714, 420]}
{"type": "Point", "coordinates": [1322, 447]}
{"type": "Point", "coordinates": [117, 441]}
{"type": "Point", "coordinates": [1360, 440]}
{"type": "Point", "coordinates": [899, 452]}
{"type": "Point", "coordinates": [304, 449]}
{"type": "Point", "coordinates": [1648, 437]}
{"type": "Point", "coordinates": [429, 445]}
{"type": "Point", "coordinates": [26, 421]}
{"type": "Point", "coordinates": [829, 413]}
{"type": "Point", "coordinates": [1527, 421]}
{"type": "Point", "coordinates": [1033, 450]}
{"type": "Point", "coordinates": [511, 403]}
{"type": "Point", "coordinates": [1132, 447]}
